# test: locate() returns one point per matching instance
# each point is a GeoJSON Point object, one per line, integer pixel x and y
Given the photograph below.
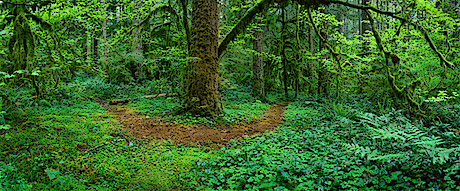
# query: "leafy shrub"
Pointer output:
{"type": "Point", "coordinates": [11, 179]}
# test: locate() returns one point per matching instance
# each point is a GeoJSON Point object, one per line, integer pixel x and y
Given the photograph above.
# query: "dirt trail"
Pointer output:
{"type": "Point", "coordinates": [142, 126]}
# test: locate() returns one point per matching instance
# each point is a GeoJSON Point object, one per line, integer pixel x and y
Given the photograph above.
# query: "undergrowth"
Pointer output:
{"type": "Point", "coordinates": [338, 146]}
{"type": "Point", "coordinates": [66, 141]}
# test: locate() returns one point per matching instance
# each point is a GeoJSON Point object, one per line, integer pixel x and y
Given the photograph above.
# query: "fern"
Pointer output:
{"type": "Point", "coordinates": [397, 133]}
{"type": "Point", "coordinates": [444, 153]}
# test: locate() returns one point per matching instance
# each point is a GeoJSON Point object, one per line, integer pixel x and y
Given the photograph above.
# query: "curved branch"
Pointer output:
{"type": "Point", "coordinates": [366, 7]}
{"type": "Point", "coordinates": [262, 6]}
{"type": "Point", "coordinates": [11, 3]}
{"type": "Point", "coordinates": [444, 62]}
{"type": "Point", "coordinates": [40, 3]}
{"type": "Point", "coordinates": [328, 46]}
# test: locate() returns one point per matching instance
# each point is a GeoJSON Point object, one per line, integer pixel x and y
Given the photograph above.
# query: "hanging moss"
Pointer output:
{"type": "Point", "coordinates": [21, 45]}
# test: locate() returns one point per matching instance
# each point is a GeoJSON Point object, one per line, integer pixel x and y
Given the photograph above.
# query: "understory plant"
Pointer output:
{"type": "Point", "coordinates": [317, 149]}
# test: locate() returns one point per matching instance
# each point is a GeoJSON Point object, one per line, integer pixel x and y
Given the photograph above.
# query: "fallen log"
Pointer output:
{"type": "Point", "coordinates": [117, 101]}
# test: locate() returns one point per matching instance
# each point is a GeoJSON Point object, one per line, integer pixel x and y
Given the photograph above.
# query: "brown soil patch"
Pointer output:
{"type": "Point", "coordinates": [142, 126]}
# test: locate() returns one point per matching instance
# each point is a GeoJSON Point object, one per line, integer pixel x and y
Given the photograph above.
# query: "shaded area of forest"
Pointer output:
{"type": "Point", "coordinates": [371, 88]}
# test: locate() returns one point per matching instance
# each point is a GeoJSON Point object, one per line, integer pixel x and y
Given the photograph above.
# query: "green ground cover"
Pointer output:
{"type": "Point", "coordinates": [67, 141]}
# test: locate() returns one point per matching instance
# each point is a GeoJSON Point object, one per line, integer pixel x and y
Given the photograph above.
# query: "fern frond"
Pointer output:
{"type": "Point", "coordinates": [429, 142]}
{"type": "Point", "coordinates": [444, 153]}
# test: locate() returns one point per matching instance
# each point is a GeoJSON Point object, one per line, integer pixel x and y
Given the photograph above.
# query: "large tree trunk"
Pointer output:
{"type": "Point", "coordinates": [258, 61]}
{"type": "Point", "coordinates": [202, 81]}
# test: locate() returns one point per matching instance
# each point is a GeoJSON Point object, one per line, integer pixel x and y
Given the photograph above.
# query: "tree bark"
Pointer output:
{"type": "Point", "coordinates": [323, 74]}
{"type": "Point", "coordinates": [104, 32]}
{"type": "Point", "coordinates": [95, 56]}
{"type": "Point", "coordinates": [185, 22]}
{"type": "Point", "coordinates": [202, 80]}
{"type": "Point", "coordinates": [137, 40]}
{"type": "Point", "coordinates": [310, 64]}
{"type": "Point", "coordinates": [258, 61]}
{"type": "Point", "coordinates": [85, 44]}
{"type": "Point", "coordinates": [283, 54]}
{"type": "Point", "coordinates": [365, 26]}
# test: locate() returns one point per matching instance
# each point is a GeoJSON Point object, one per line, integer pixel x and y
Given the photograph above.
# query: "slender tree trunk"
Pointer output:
{"type": "Point", "coordinates": [301, 51]}
{"type": "Point", "coordinates": [104, 39]}
{"type": "Point", "coordinates": [85, 44]}
{"type": "Point", "coordinates": [365, 26]}
{"type": "Point", "coordinates": [95, 42]}
{"type": "Point", "coordinates": [104, 33]}
{"type": "Point", "coordinates": [283, 54]}
{"type": "Point", "coordinates": [323, 73]}
{"type": "Point", "coordinates": [258, 62]}
{"type": "Point", "coordinates": [310, 65]}
{"type": "Point", "coordinates": [137, 40]}
{"type": "Point", "coordinates": [202, 81]}
{"type": "Point", "coordinates": [185, 22]}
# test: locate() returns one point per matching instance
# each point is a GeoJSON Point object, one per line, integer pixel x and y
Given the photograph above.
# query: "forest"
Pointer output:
{"type": "Point", "coordinates": [229, 95]}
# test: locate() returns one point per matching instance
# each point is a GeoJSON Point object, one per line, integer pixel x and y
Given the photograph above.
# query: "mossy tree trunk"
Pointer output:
{"type": "Point", "coordinates": [323, 73]}
{"type": "Point", "coordinates": [202, 79]}
{"type": "Point", "coordinates": [133, 66]}
{"type": "Point", "coordinates": [185, 21]}
{"type": "Point", "coordinates": [365, 26]}
{"type": "Point", "coordinates": [104, 33]}
{"type": "Point", "coordinates": [283, 52]}
{"type": "Point", "coordinates": [311, 63]}
{"type": "Point", "coordinates": [258, 61]}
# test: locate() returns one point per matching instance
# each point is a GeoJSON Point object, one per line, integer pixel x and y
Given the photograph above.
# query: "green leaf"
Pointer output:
{"type": "Point", "coordinates": [20, 71]}
{"type": "Point", "coordinates": [6, 127]}
{"type": "Point", "coordinates": [35, 73]}
{"type": "Point", "coordinates": [52, 173]}
{"type": "Point", "coordinates": [4, 32]}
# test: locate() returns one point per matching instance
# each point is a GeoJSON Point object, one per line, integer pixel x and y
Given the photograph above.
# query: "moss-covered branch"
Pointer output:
{"type": "Point", "coordinates": [154, 11]}
{"type": "Point", "coordinates": [323, 40]}
{"type": "Point", "coordinates": [366, 7]}
{"type": "Point", "coordinates": [444, 62]}
{"type": "Point", "coordinates": [407, 92]}
{"type": "Point", "coordinates": [261, 6]}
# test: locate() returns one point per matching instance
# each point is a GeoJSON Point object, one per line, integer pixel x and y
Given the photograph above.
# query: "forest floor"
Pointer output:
{"type": "Point", "coordinates": [74, 140]}
{"type": "Point", "coordinates": [215, 136]}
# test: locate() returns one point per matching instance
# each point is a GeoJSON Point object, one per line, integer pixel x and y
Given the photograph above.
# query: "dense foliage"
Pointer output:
{"type": "Point", "coordinates": [345, 146]}
{"type": "Point", "coordinates": [371, 88]}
